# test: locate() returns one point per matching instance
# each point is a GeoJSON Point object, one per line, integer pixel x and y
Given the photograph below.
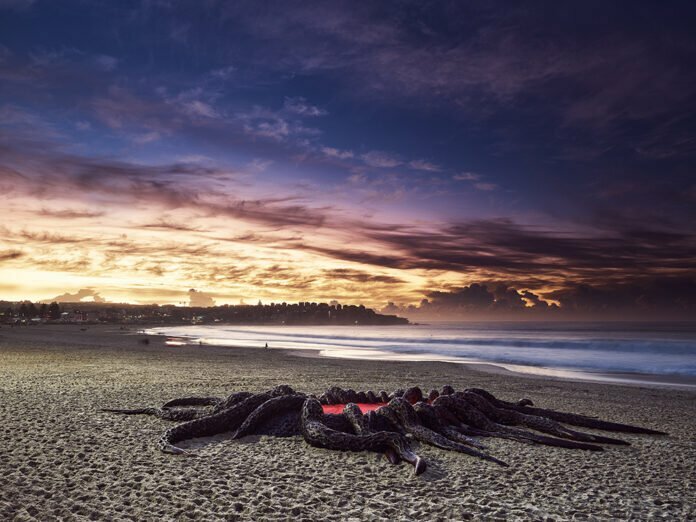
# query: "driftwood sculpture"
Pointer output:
{"type": "Point", "coordinates": [358, 421]}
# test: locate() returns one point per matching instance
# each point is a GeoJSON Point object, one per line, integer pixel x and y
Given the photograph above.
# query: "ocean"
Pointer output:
{"type": "Point", "coordinates": [666, 352]}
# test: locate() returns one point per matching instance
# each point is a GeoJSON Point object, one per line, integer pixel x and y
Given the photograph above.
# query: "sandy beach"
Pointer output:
{"type": "Point", "coordinates": [63, 459]}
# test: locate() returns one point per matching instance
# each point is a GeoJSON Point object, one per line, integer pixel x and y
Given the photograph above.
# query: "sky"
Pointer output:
{"type": "Point", "coordinates": [452, 159]}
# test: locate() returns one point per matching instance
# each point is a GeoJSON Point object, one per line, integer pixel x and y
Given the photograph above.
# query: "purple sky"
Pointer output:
{"type": "Point", "coordinates": [493, 158]}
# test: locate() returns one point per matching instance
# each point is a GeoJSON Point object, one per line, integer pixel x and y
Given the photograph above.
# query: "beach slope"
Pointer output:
{"type": "Point", "coordinates": [63, 458]}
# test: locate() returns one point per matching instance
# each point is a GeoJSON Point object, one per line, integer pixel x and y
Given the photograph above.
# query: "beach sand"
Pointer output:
{"type": "Point", "coordinates": [60, 458]}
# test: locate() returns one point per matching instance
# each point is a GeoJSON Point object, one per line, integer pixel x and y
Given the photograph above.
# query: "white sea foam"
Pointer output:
{"type": "Point", "coordinates": [561, 349]}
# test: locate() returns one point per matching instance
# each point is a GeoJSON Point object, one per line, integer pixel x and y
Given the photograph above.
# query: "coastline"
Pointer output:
{"type": "Point", "coordinates": [687, 382]}
{"type": "Point", "coordinates": [66, 459]}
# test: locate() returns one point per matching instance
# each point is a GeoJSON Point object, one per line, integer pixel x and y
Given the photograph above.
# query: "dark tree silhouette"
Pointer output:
{"type": "Point", "coordinates": [54, 311]}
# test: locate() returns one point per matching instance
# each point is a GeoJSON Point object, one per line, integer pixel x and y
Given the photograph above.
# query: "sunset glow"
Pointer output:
{"type": "Point", "coordinates": [332, 152]}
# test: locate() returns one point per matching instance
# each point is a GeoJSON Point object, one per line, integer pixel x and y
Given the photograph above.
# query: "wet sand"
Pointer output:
{"type": "Point", "coordinates": [62, 458]}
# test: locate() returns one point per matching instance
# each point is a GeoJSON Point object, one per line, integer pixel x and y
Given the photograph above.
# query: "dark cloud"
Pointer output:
{"type": "Point", "coordinates": [52, 173]}
{"type": "Point", "coordinates": [386, 260]}
{"type": "Point", "coordinates": [533, 299]}
{"type": "Point", "coordinates": [656, 298]}
{"type": "Point", "coordinates": [10, 255]}
{"type": "Point", "coordinates": [123, 111]}
{"type": "Point", "coordinates": [664, 297]}
{"type": "Point", "coordinates": [170, 225]}
{"type": "Point", "coordinates": [48, 237]}
{"type": "Point", "coordinates": [38, 237]}
{"type": "Point", "coordinates": [472, 297]}
{"type": "Point", "coordinates": [620, 66]}
{"type": "Point", "coordinates": [80, 264]}
{"type": "Point", "coordinates": [358, 276]}
{"type": "Point", "coordinates": [70, 213]}
{"type": "Point", "coordinates": [258, 238]}
{"type": "Point", "coordinates": [488, 297]}
{"type": "Point", "coordinates": [613, 248]}
{"type": "Point", "coordinates": [475, 301]}
{"type": "Point", "coordinates": [507, 247]}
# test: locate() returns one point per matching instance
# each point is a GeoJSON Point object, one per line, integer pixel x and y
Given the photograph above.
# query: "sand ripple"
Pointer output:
{"type": "Point", "coordinates": [62, 459]}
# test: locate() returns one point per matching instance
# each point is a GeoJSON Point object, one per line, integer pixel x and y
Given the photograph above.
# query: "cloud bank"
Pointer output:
{"type": "Point", "coordinates": [84, 294]}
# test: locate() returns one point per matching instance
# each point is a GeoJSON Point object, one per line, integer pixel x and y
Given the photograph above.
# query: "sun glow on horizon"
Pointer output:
{"type": "Point", "coordinates": [439, 163]}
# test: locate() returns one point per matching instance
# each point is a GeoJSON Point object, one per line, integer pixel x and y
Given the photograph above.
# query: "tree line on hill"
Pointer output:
{"type": "Point", "coordinates": [29, 310]}
{"type": "Point", "coordinates": [304, 313]}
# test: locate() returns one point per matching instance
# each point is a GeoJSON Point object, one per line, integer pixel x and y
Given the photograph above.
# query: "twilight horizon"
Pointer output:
{"type": "Point", "coordinates": [431, 161]}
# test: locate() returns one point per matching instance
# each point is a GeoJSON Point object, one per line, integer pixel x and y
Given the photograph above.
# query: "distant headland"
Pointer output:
{"type": "Point", "coordinates": [305, 313]}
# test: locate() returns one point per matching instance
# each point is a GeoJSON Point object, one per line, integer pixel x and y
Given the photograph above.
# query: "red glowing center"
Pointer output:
{"type": "Point", "coordinates": [364, 407]}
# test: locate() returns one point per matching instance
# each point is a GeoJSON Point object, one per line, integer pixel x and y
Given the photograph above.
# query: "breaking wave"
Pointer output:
{"type": "Point", "coordinates": [661, 349]}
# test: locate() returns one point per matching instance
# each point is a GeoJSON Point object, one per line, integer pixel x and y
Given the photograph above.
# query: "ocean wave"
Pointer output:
{"type": "Point", "coordinates": [618, 350]}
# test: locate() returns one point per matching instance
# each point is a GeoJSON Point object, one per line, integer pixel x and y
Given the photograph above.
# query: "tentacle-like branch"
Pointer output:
{"type": "Point", "coordinates": [193, 401]}
{"type": "Point", "coordinates": [267, 410]}
{"type": "Point", "coordinates": [409, 420]}
{"type": "Point", "coordinates": [477, 420]}
{"type": "Point", "coordinates": [361, 426]}
{"type": "Point", "coordinates": [221, 422]}
{"type": "Point", "coordinates": [448, 420]}
{"type": "Point", "coordinates": [318, 434]}
{"type": "Point", "coordinates": [429, 418]}
{"type": "Point", "coordinates": [231, 400]}
{"type": "Point", "coordinates": [542, 424]}
{"type": "Point", "coordinates": [567, 418]}
{"type": "Point", "coordinates": [226, 420]}
{"type": "Point", "coordinates": [337, 422]}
